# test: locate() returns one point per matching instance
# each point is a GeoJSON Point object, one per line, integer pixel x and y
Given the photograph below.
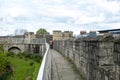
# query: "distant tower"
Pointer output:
{"type": "Point", "coordinates": [57, 35]}
{"type": "Point", "coordinates": [83, 32]}
{"type": "Point", "coordinates": [29, 35]}
{"type": "Point", "coordinates": [67, 35]}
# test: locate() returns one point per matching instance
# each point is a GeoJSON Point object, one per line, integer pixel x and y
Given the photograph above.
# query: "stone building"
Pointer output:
{"type": "Point", "coordinates": [48, 37]}
{"type": "Point", "coordinates": [66, 35]}
{"type": "Point", "coordinates": [29, 35]}
{"type": "Point", "coordinates": [57, 35]}
{"type": "Point", "coordinates": [114, 32]}
{"type": "Point", "coordinates": [83, 32]}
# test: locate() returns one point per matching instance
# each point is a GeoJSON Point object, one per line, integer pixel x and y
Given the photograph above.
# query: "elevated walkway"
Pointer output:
{"type": "Point", "coordinates": [62, 69]}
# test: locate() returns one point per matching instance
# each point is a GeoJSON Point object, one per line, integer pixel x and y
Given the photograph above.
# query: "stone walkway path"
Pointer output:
{"type": "Point", "coordinates": [61, 68]}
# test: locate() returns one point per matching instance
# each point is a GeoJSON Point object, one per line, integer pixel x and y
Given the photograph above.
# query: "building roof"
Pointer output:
{"type": "Point", "coordinates": [56, 31]}
{"type": "Point", "coordinates": [105, 31]}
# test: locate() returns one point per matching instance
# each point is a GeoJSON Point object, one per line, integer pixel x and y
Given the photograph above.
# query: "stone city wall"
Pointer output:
{"type": "Point", "coordinates": [28, 45]}
{"type": "Point", "coordinates": [96, 58]}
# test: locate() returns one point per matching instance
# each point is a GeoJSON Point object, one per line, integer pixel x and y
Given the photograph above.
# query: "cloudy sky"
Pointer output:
{"type": "Point", "coordinates": [72, 15]}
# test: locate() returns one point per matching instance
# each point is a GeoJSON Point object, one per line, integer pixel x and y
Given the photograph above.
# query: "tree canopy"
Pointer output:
{"type": "Point", "coordinates": [20, 31]}
{"type": "Point", "coordinates": [41, 31]}
{"type": "Point", "coordinates": [3, 60]}
{"type": "Point", "coordinates": [5, 67]}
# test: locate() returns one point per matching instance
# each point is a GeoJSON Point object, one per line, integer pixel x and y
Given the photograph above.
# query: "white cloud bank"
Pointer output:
{"type": "Point", "coordinates": [74, 15]}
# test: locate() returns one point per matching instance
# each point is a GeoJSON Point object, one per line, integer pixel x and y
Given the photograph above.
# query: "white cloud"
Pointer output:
{"type": "Point", "coordinates": [58, 14]}
{"type": "Point", "coordinates": [86, 19]}
{"type": "Point", "coordinates": [111, 25]}
{"type": "Point", "coordinates": [17, 11]}
{"type": "Point", "coordinates": [110, 6]}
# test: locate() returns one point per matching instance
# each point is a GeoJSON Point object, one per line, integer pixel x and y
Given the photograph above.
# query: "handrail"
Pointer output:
{"type": "Point", "coordinates": [45, 66]}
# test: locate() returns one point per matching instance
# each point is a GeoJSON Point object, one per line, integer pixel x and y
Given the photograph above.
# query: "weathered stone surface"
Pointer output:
{"type": "Point", "coordinates": [96, 58]}
{"type": "Point", "coordinates": [30, 45]}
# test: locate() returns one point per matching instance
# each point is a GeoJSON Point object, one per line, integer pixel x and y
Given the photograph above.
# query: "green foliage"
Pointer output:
{"type": "Point", "coordinates": [38, 58]}
{"type": "Point", "coordinates": [41, 31]}
{"type": "Point", "coordinates": [35, 57]}
{"type": "Point", "coordinates": [6, 70]}
{"type": "Point", "coordinates": [24, 69]}
{"type": "Point", "coordinates": [10, 54]}
{"type": "Point", "coordinates": [24, 66]}
{"type": "Point", "coordinates": [2, 47]}
{"type": "Point", "coordinates": [3, 62]}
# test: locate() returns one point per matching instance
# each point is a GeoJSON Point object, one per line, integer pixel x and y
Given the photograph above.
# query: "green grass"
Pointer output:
{"type": "Point", "coordinates": [23, 69]}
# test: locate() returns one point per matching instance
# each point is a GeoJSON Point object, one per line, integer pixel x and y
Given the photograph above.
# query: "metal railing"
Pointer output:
{"type": "Point", "coordinates": [45, 69]}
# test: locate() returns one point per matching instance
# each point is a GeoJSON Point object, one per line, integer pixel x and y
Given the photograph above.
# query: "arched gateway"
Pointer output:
{"type": "Point", "coordinates": [14, 49]}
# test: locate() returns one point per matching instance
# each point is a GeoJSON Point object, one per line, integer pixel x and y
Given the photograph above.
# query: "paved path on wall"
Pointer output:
{"type": "Point", "coordinates": [61, 68]}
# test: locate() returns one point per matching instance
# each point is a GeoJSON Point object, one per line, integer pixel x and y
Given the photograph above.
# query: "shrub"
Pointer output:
{"type": "Point", "coordinates": [33, 56]}
{"type": "Point", "coordinates": [3, 62]}
{"type": "Point", "coordinates": [5, 68]}
{"type": "Point", "coordinates": [32, 63]}
{"type": "Point", "coordinates": [29, 78]}
{"type": "Point", "coordinates": [10, 54]}
{"type": "Point", "coordinates": [26, 59]}
{"type": "Point", "coordinates": [9, 71]}
{"type": "Point", "coordinates": [37, 58]}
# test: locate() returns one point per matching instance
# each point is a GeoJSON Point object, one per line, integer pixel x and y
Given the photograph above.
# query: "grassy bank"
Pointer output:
{"type": "Point", "coordinates": [24, 69]}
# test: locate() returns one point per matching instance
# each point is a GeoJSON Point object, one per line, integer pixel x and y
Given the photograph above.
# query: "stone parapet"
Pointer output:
{"type": "Point", "coordinates": [96, 58]}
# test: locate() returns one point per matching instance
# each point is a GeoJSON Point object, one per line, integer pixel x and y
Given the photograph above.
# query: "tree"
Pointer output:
{"type": "Point", "coordinates": [2, 47]}
{"type": "Point", "coordinates": [20, 31]}
{"type": "Point", "coordinates": [3, 62]}
{"type": "Point", "coordinates": [6, 70]}
{"type": "Point", "coordinates": [41, 31]}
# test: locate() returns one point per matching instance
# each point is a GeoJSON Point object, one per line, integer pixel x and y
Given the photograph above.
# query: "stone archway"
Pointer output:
{"type": "Point", "coordinates": [14, 49]}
